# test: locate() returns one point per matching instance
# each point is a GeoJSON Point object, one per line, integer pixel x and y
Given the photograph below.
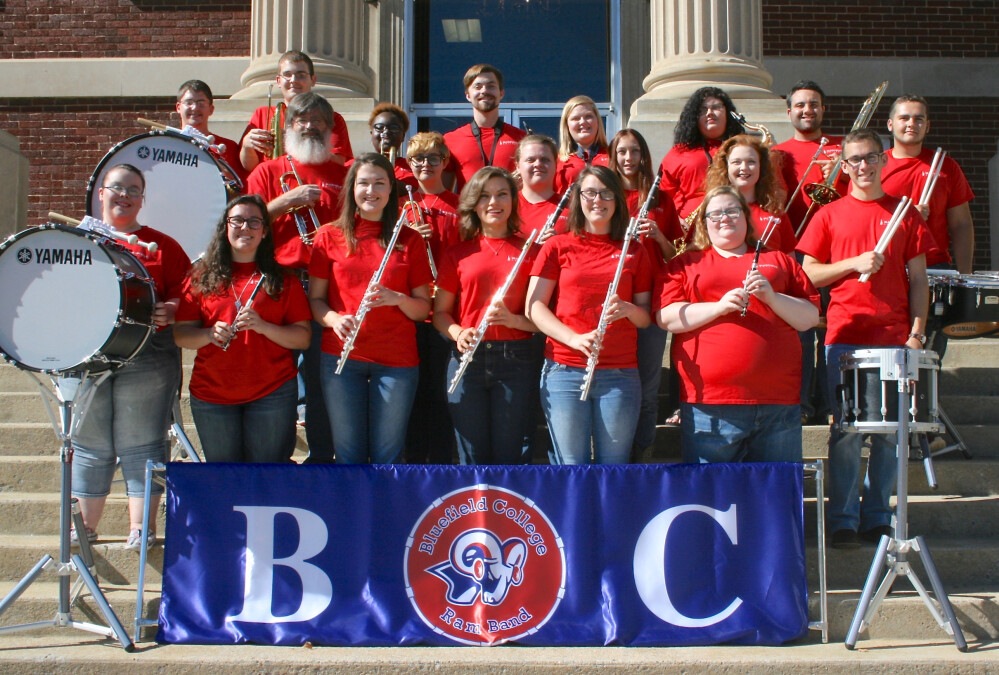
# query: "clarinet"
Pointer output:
{"type": "Point", "coordinates": [480, 330]}
{"type": "Point", "coordinates": [598, 338]}
{"type": "Point", "coordinates": [362, 310]}
{"type": "Point", "coordinates": [643, 212]}
{"type": "Point", "coordinates": [553, 218]}
{"type": "Point", "coordinates": [249, 303]}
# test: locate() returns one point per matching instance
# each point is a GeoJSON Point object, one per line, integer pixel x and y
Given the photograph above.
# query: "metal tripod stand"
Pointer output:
{"type": "Point", "coordinates": [72, 391]}
{"type": "Point", "coordinates": [893, 552]}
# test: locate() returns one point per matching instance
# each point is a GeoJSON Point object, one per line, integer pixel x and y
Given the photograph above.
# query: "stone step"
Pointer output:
{"type": "Point", "coordinates": [978, 381]}
{"type": "Point", "coordinates": [977, 353]}
{"type": "Point", "coordinates": [37, 513]}
{"type": "Point", "coordinates": [113, 563]}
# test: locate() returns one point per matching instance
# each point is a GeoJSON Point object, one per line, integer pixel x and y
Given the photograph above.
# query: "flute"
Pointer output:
{"type": "Point", "coordinates": [362, 310]}
{"type": "Point", "coordinates": [249, 303]}
{"type": "Point", "coordinates": [772, 222]}
{"type": "Point", "coordinates": [932, 176]}
{"type": "Point", "coordinates": [601, 331]}
{"type": "Point", "coordinates": [896, 219]}
{"type": "Point", "coordinates": [480, 330]}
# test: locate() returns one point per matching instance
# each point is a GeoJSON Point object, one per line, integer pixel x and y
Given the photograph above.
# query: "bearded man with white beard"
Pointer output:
{"type": "Point", "coordinates": [320, 178]}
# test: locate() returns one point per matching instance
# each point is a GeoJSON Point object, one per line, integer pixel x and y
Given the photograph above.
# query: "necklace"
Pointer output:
{"type": "Point", "coordinates": [496, 251]}
{"type": "Point", "coordinates": [239, 298]}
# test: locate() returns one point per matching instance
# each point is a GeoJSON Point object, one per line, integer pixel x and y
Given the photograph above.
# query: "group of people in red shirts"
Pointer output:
{"type": "Point", "coordinates": [409, 349]}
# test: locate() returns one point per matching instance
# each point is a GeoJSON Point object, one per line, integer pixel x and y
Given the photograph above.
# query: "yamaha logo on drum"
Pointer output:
{"type": "Point", "coordinates": [24, 255]}
{"type": "Point", "coordinates": [56, 256]}
{"type": "Point", "coordinates": [170, 156]}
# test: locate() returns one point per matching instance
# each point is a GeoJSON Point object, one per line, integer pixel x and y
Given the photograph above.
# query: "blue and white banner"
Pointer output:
{"type": "Point", "coordinates": [643, 555]}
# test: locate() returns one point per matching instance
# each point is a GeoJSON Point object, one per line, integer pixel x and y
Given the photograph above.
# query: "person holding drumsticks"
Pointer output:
{"type": "Point", "coordinates": [582, 140]}
{"type": "Point", "coordinates": [245, 315]}
{"type": "Point", "coordinates": [734, 309]}
{"type": "Point", "coordinates": [491, 404]}
{"type": "Point", "coordinates": [130, 413]}
{"type": "Point", "coordinates": [569, 284]}
{"type": "Point", "coordinates": [369, 401]}
{"type": "Point", "coordinates": [887, 310]}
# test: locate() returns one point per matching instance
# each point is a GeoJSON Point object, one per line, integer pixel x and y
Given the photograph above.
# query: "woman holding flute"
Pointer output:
{"type": "Point", "coordinates": [566, 297]}
{"type": "Point", "coordinates": [491, 402]}
{"type": "Point", "coordinates": [244, 315]}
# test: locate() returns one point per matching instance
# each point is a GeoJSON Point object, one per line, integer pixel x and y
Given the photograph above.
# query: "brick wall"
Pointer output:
{"type": "Point", "coordinates": [123, 28]}
{"type": "Point", "coordinates": [881, 28]}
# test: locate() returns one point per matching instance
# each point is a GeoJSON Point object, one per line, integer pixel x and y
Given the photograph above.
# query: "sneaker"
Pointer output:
{"type": "Point", "coordinates": [874, 534]}
{"type": "Point", "coordinates": [844, 538]}
{"type": "Point", "coordinates": [134, 542]}
{"type": "Point", "coordinates": [74, 538]}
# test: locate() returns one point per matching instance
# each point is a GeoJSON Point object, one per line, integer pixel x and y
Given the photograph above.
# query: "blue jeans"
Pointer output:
{"type": "Point", "coordinates": [492, 407]}
{"type": "Point", "coordinates": [318, 432]}
{"type": "Point", "coordinates": [430, 434]}
{"type": "Point", "coordinates": [846, 511]}
{"type": "Point", "coordinates": [651, 347]}
{"type": "Point", "coordinates": [128, 420]}
{"type": "Point", "coordinates": [368, 406]}
{"type": "Point", "coordinates": [740, 433]}
{"type": "Point", "coordinates": [258, 431]}
{"type": "Point", "coordinates": [607, 419]}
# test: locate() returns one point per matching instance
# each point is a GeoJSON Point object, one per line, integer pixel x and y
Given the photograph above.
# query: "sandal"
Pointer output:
{"type": "Point", "coordinates": [674, 419]}
{"type": "Point", "coordinates": [74, 538]}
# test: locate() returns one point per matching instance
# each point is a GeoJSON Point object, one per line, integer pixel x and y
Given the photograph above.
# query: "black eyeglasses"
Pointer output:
{"type": "Point", "coordinates": [391, 128]}
{"type": "Point", "coordinates": [854, 162]}
{"type": "Point", "coordinates": [591, 195]}
{"type": "Point", "coordinates": [237, 222]}
{"type": "Point", "coordinates": [716, 216]}
{"type": "Point", "coordinates": [430, 160]}
{"type": "Point", "coordinates": [121, 190]}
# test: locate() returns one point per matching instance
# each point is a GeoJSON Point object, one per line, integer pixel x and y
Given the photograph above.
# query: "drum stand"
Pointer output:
{"type": "Point", "coordinates": [893, 551]}
{"type": "Point", "coordinates": [72, 390]}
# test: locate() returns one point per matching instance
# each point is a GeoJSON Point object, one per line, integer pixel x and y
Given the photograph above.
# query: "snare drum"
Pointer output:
{"type": "Point", "coordinates": [869, 396]}
{"type": "Point", "coordinates": [72, 300]}
{"type": "Point", "coordinates": [967, 305]}
{"type": "Point", "coordinates": [187, 187]}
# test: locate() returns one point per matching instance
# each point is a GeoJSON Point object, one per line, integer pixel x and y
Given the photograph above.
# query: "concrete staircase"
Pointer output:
{"type": "Point", "coordinates": [957, 521]}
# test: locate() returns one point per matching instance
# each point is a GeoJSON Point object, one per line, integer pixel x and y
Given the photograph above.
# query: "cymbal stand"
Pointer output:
{"type": "Point", "coordinates": [893, 552]}
{"type": "Point", "coordinates": [72, 391]}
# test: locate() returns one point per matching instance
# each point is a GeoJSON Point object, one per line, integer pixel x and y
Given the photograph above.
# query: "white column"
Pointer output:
{"type": "Point", "coordinates": [334, 33]}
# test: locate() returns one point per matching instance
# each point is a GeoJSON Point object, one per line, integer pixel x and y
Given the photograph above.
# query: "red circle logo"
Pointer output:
{"type": "Point", "coordinates": [484, 566]}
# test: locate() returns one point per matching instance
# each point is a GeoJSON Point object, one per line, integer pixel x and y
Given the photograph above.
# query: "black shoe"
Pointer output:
{"type": "Point", "coordinates": [844, 539]}
{"type": "Point", "coordinates": [874, 534]}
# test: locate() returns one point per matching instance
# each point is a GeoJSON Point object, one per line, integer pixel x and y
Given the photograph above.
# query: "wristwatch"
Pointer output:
{"type": "Point", "coordinates": [920, 337]}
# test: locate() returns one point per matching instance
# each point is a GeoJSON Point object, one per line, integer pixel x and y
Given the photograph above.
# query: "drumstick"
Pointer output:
{"type": "Point", "coordinates": [106, 230]}
{"type": "Point", "coordinates": [931, 177]}
{"type": "Point", "coordinates": [209, 139]}
{"type": "Point", "coordinates": [896, 219]}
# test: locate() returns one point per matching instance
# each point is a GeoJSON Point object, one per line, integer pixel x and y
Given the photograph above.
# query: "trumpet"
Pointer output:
{"type": "Point", "coordinates": [306, 234]}
{"type": "Point", "coordinates": [390, 152]}
{"type": "Point", "coordinates": [768, 138]}
{"type": "Point", "coordinates": [275, 125]}
{"type": "Point", "coordinates": [824, 193]}
{"type": "Point", "coordinates": [417, 221]}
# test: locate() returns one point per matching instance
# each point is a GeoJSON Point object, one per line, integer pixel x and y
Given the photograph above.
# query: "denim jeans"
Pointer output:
{"type": "Point", "coordinates": [740, 433]}
{"type": "Point", "coordinates": [846, 511]}
{"type": "Point", "coordinates": [258, 431]}
{"type": "Point", "coordinates": [651, 347]}
{"type": "Point", "coordinates": [318, 432]}
{"type": "Point", "coordinates": [128, 420]}
{"type": "Point", "coordinates": [492, 407]}
{"type": "Point", "coordinates": [606, 419]}
{"type": "Point", "coordinates": [430, 434]}
{"type": "Point", "coordinates": [368, 406]}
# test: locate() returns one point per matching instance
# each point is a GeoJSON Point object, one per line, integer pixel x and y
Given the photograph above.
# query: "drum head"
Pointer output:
{"type": "Point", "coordinates": [185, 190]}
{"type": "Point", "coordinates": [61, 299]}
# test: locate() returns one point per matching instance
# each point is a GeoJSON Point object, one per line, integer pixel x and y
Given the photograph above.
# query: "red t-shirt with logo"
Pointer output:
{"type": "Point", "coordinates": [467, 155]}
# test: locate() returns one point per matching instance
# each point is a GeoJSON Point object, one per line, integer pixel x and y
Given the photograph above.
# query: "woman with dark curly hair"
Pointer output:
{"type": "Point", "coordinates": [705, 122]}
{"type": "Point", "coordinates": [243, 388]}
{"type": "Point", "coordinates": [746, 164]}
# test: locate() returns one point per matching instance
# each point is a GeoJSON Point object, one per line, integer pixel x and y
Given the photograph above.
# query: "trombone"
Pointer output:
{"type": "Point", "coordinates": [417, 220]}
{"type": "Point", "coordinates": [306, 234]}
{"type": "Point", "coordinates": [824, 193]}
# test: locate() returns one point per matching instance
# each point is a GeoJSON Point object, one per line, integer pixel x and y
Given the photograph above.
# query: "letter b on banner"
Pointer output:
{"type": "Point", "coordinates": [258, 585]}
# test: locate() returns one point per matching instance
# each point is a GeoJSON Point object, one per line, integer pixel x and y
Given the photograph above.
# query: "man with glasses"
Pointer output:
{"type": "Point", "coordinates": [315, 189]}
{"type": "Point", "coordinates": [296, 75]}
{"type": "Point", "coordinates": [486, 140]}
{"type": "Point", "coordinates": [888, 310]}
{"type": "Point", "coordinates": [388, 124]}
{"type": "Point", "coordinates": [947, 211]}
{"type": "Point", "coordinates": [195, 104]}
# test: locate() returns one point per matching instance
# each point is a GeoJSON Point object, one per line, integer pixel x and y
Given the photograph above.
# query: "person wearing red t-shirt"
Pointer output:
{"type": "Point", "coordinates": [631, 160]}
{"type": "Point", "coordinates": [296, 75]}
{"type": "Point", "coordinates": [537, 201]}
{"type": "Point", "coordinates": [734, 320]}
{"type": "Point", "coordinates": [565, 300]}
{"type": "Point", "coordinates": [130, 412]}
{"type": "Point", "coordinates": [582, 140]}
{"type": "Point", "coordinates": [370, 399]}
{"type": "Point", "coordinates": [430, 433]}
{"type": "Point", "coordinates": [243, 388]}
{"type": "Point", "coordinates": [486, 140]}
{"type": "Point", "coordinates": [388, 125]}
{"type": "Point", "coordinates": [887, 311]}
{"type": "Point", "coordinates": [705, 121]}
{"type": "Point", "coordinates": [492, 404]}
{"type": "Point", "coordinates": [947, 213]}
{"type": "Point", "coordinates": [195, 104]}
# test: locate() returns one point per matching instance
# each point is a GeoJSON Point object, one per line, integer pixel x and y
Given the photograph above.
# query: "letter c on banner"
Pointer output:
{"type": "Point", "coordinates": [258, 585]}
{"type": "Point", "coordinates": [651, 571]}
